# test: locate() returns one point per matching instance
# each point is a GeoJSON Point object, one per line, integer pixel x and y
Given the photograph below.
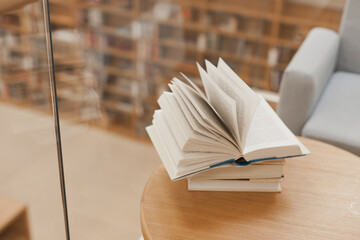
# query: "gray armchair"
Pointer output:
{"type": "Point", "coordinates": [320, 89]}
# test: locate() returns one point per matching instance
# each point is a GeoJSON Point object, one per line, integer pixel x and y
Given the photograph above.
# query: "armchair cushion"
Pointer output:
{"type": "Point", "coordinates": [306, 76]}
{"type": "Point", "coordinates": [336, 118]}
{"type": "Point", "coordinates": [349, 52]}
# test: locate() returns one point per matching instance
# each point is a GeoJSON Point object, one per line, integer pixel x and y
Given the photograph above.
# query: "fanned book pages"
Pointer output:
{"type": "Point", "coordinates": [195, 130]}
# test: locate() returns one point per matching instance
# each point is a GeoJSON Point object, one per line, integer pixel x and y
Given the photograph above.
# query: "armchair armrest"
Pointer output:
{"type": "Point", "coordinates": [306, 76]}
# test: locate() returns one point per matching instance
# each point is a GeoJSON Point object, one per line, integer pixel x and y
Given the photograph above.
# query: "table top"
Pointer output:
{"type": "Point", "coordinates": [320, 199]}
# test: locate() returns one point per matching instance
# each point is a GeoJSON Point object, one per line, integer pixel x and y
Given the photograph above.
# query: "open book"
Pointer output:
{"type": "Point", "coordinates": [195, 131]}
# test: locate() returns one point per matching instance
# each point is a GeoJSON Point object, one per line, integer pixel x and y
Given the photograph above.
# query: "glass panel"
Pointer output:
{"type": "Point", "coordinates": [30, 198]}
{"type": "Point", "coordinates": [115, 57]}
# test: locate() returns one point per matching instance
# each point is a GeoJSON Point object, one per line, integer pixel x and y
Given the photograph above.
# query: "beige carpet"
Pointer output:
{"type": "Point", "coordinates": [105, 175]}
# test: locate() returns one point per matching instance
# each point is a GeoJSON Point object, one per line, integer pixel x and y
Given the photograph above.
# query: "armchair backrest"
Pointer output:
{"type": "Point", "coordinates": [349, 52]}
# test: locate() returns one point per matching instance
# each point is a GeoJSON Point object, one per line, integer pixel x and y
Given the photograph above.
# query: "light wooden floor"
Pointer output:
{"type": "Point", "coordinates": [105, 175]}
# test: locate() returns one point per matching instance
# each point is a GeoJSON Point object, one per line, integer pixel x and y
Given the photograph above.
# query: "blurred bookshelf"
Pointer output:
{"type": "Point", "coordinates": [115, 57]}
{"type": "Point", "coordinates": [22, 58]}
{"type": "Point", "coordinates": [24, 67]}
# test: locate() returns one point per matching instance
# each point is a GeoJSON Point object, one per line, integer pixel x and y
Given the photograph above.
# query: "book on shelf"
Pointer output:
{"type": "Point", "coordinates": [195, 131]}
{"type": "Point", "coordinates": [230, 24]}
{"type": "Point", "coordinates": [165, 10]}
{"type": "Point", "coordinates": [94, 17]}
{"type": "Point", "coordinates": [201, 42]}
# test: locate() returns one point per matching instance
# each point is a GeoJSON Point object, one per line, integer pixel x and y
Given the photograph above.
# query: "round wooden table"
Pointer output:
{"type": "Point", "coordinates": [320, 199]}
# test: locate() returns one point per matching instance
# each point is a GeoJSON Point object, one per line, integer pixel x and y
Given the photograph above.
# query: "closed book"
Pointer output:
{"type": "Point", "coordinates": [234, 171]}
{"type": "Point", "coordinates": [234, 185]}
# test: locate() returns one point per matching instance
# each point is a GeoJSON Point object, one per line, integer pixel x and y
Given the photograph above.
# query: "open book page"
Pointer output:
{"type": "Point", "coordinates": [247, 99]}
{"type": "Point", "coordinates": [205, 111]}
{"type": "Point", "coordinates": [174, 172]}
{"type": "Point", "coordinates": [221, 102]}
{"type": "Point", "coordinates": [192, 115]}
{"type": "Point", "coordinates": [269, 137]}
{"type": "Point", "coordinates": [234, 92]}
{"type": "Point", "coordinates": [180, 162]}
{"type": "Point", "coordinates": [163, 153]}
{"type": "Point", "coordinates": [187, 138]}
{"type": "Point", "coordinates": [199, 125]}
{"type": "Point", "coordinates": [176, 119]}
{"type": "Point", "coordinates": [184, 158]}
{"type": "Point", "coordinates": [201, 93]}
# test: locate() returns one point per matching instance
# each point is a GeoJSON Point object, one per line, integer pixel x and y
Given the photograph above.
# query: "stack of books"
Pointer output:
{"type": "Point", "coordinates": [226, 138]}
{"type": "Point", "coordinates": [262, 176]}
